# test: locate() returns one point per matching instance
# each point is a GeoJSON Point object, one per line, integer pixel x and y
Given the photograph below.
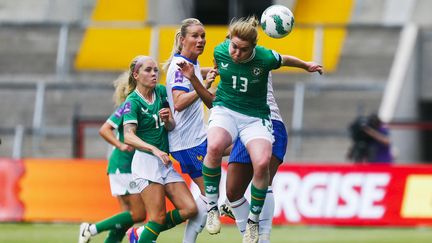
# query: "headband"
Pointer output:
{"type": "Point", "coordinates": [140, 62]}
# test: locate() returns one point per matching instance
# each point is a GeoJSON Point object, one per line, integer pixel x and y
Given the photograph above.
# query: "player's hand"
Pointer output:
{"type": "Point", "coordinates": [164, 114]}
{"type": "Point", "coordinates": [187, 69]}
{"type": "Point", "coordinates": [314, 67]}
{"type": "Point", "coordinates": [211, 76]}
{"type": "Point", "coordinates": [124, 147]}
{"type": "Point", "coordinates": [162, 156]}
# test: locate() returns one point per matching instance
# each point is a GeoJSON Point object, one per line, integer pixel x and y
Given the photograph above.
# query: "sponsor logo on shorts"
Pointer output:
{"type": "Point", "coordinates": [200, 157]}
{"type": "Point", "coordinates": [132, 184]}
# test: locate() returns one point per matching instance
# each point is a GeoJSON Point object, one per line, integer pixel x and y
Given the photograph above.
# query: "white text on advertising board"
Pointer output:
{"type": "Point", "coordinates": [330, 195]}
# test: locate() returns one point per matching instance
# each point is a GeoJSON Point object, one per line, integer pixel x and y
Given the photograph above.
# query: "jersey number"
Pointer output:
{"type": "Point", "coordinates": [242, 84]}
{"type": "Point", "coordinates": [158, 122]}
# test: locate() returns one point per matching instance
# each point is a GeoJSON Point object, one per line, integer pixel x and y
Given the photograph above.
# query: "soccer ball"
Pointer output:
{"type": "Point", "coordinates": [277, 21]}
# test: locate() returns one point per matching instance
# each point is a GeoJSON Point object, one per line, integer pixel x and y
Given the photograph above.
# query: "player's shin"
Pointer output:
{"type": "Point", "coordinates": [266, 217]}
{"type": "Point", "coordinates": [240, 209]}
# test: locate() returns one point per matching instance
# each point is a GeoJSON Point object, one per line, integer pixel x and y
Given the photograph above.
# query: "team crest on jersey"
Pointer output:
{"type": "Point", "coordinates": [126, 108]}
{"type": "Point", "coordinates": [257, 71]}
{"type": "Point", "coordinates": [178, 77]}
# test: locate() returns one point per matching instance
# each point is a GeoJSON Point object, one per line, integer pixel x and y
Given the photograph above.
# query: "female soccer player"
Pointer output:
{"type": "Point", "coordinates": [239, 164]}
{"type": "Point", "coordinates": [240, 110]}
{"type": "Point", "coordinates": [188, 146]}
{"type": "Point", "coordinates": [147, 121]}
{"type": "Point", "coordinates": [120, 176]}
{"type": "Point", "coordinates": [188, 140]}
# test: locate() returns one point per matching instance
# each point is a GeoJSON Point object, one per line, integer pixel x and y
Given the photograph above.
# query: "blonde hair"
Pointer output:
{"type": "Point", "coordinates": [121, 86]}
{"type": "Point", "coordinates": [134, 66]}
{"type": "Point", "coordinates": [245, 29]}
{"type": "Point", "coordinates": [181, 32]}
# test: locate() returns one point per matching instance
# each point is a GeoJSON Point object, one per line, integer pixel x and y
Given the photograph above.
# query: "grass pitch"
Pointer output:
{"type": "Point", "coordinates": [64, 233]}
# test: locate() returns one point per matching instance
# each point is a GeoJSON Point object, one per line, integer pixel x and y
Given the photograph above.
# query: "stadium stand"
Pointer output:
{"type": "Point", "coordinates": [357, 62]}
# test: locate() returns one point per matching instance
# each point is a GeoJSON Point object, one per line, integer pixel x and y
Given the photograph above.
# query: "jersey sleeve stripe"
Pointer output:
{"type": "Point", "coordinates": [112, 123]}
{"type": "Point", "coordinates": [180, 88]}
{"type": "Point", "coordinates": [130, 122]}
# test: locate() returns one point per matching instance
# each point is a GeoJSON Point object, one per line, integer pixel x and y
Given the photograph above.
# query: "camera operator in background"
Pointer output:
{"type": "Point", "coordinates": [371, 141]}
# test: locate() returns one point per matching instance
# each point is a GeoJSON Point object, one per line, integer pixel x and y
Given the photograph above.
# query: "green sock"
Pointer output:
{"type": "Point", "coordinates": [211, 178]}
{"type": "Point", "coordinates": [118, 221]}
{"type": "Point", "coordinates": [116, 235]}
{"type": "Point", "coordinates": [172, 219]}
{"type": "Point", "coordinates": [257, 201]}
{"type": "Point", "coordinates": [150, 233]}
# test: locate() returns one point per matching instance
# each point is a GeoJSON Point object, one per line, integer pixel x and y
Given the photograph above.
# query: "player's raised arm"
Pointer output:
{"type": "Point", "coordinates": [292, 61]}
{"type": "Point", "coordinates": [206, 96]}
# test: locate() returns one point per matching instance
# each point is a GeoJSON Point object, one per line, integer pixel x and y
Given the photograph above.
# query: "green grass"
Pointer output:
{"type": "Point", "coordinates": [55, 233]}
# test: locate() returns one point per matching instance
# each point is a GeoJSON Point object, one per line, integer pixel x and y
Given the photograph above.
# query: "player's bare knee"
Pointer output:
{"type": "Point", "coordinates": [215, 150]}
{"type": "Point", "coordinates": [189, 212]}
{"type": "Point", "coordinates": [233, 195]}
{"type": "Point", "coordinates": [261, 170]}
{"type": "Point", "coordinates": [138, 215]}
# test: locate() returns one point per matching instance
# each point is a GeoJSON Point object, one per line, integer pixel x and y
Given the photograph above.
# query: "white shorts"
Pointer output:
{"type": "Point", "coordinates": [148, 168]}
{"type": "Point", "coordinates": [122, 184]}
{"type": "Point", "coordinates": [237, 124]}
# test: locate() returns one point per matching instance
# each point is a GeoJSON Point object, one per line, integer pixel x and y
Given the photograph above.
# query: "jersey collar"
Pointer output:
{"type": "Point", "coordinates": [145, 100]}
{"type": "Point", "coordinates": [187, 59]}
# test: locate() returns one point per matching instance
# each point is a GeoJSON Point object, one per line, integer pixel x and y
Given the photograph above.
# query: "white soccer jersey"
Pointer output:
{"type": "Point", "coordinates": [271, 101]}
{"type": "Point", "coordinates": [190, 129]}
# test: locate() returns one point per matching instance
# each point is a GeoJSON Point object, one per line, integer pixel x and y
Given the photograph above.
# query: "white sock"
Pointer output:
{"type": "Point", "coordinates": [212, 200]}
{"type": "Point", "coordinates": [93, 230]}
{"type": "Point", "coordinates": [240, 209]}
{"type": "Point", "coordinates": [196, 224]}
{"type": "Point", "coordinates": [266, 217]}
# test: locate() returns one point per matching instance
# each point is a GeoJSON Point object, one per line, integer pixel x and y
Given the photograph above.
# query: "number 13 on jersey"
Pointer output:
{"type": "Point", "coordinates": [241, 83]}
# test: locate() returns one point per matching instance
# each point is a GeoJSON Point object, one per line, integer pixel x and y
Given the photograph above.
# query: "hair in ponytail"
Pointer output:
{"type": "Point", "coordinates": [181, 32]}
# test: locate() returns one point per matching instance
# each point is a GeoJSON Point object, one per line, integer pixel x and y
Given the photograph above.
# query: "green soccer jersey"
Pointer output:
{"type": "Point", "coordinates": [139, 111]}
{"type": "Point", "coordinates": [119, 160]}
{"type": "Point", "coordinates": [243, 86]}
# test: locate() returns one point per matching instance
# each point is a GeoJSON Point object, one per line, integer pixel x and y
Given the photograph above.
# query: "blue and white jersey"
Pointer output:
{"type": "Point", "coordinates": [190, 130]}
{"type": "Point", "coordinates": [271, 101]}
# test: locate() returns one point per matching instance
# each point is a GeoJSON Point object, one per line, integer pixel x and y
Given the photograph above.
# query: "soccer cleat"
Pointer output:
{"type": "Point", "coordinates": [225, 210]}
{"type": "Point", "coordinates": [132, 235]}
{"type": "Point", "coordinates": [251, 233]}
{"type": "Point", "coordinates": [84, 233]}
{"type": "Point", "coordinates": [213, 224]}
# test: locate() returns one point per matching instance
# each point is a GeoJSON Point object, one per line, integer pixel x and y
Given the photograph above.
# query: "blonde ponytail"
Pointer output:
{"type": "Point", "coordinates": [181, 32]}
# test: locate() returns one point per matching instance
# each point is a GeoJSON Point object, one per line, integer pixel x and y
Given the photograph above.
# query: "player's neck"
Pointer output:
{"type": "Point", "coordinates": [189, 55]}
{"type": "Point", "coordinates": [146, 92]}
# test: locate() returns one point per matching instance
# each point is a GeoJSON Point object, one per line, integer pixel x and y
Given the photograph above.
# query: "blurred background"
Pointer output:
{"type": "Point", "coordinates": [58, 59]}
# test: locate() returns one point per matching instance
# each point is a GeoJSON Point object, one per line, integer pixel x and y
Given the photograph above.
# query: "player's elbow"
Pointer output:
{"type": "Point", "coordinates": [179, 108]}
